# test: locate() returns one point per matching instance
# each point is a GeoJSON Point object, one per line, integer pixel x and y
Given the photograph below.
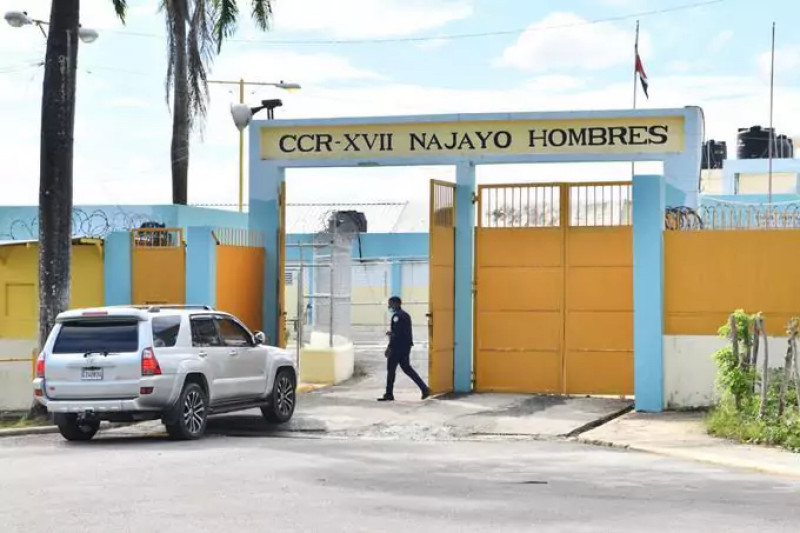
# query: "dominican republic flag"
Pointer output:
{"type": "Point", "coordinates": [642, 75]}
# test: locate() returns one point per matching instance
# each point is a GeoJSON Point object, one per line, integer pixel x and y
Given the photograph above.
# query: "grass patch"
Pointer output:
{"type": "Point", "coordinates": [20, 423]}
{"type": "Point", "coordinates": [725, 421]}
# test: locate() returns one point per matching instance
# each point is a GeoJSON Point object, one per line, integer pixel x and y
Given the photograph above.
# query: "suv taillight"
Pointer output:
{"type": "Point", "coordinates": [40, 366]}
{"type": "Point", "coordinates": [150, 366]}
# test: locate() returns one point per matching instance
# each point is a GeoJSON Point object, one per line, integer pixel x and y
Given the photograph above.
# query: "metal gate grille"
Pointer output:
{"type": "Point", "coordinates": [554, 305]}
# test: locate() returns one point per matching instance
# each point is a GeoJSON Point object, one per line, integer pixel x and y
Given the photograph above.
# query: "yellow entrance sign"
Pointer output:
{"type": "Point", "coordinates": [518, 137]}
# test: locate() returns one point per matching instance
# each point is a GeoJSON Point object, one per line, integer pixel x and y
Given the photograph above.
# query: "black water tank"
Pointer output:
{"type": "Point", "coordinates": [784, 147]}
{"type": "Point", "coordinates": [714, 153]}
{"type": "Point", "coordinates": [753, 143]}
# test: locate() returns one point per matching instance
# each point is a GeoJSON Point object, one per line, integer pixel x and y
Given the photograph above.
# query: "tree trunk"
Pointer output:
{"type": "Point", "coordinates": [180, 113]}
{"type": "Point", "coordinates": [55, 163]}
{"type": "Point", "coordinates": [55, 168]}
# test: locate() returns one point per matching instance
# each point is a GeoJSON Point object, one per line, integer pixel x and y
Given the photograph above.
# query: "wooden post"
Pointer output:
{"type": "Point", "coordinates": [762, 411]}
{"type": "Point", "coordinates": [754, 355]}
{"type": "Point", "coordinates": [795, 366]}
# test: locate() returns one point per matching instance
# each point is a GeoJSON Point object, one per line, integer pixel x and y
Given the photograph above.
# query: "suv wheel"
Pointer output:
{"type": "Point", "coordinates": [283, 398]}
{"type": "Point", "coordinates": [73, 428]}
{"type": "Point", "coordinates": [191, 414]}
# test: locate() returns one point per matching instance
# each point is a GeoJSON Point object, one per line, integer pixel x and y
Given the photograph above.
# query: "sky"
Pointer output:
{"type": "Point", "coordinates": [391, 57]}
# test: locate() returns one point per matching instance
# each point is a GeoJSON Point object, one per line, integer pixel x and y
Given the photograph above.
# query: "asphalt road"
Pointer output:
{"type": "Point", "coordinates": [226, 484]}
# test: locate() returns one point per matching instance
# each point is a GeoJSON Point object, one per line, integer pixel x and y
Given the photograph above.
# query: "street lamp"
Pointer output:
{"type": "Point", "coordinates": [18, 19]}
{"type": "Point", "coordinates": [242, 114]}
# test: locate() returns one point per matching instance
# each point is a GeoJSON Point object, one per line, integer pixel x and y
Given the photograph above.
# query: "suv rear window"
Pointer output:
{"type": "Point", "coordinates": [165, 331]}
{"type": "Point", "coordinates": [112, 336]}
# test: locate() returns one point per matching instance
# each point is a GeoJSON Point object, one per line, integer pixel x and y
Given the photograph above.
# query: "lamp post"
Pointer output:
{"type": "Point", "coordinates": [286, 86]}
{"type": "Point", "coordinates": [19, 19]}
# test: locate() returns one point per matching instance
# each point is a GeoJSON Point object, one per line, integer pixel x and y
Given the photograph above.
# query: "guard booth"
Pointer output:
{"type": "Point", "coordinates": [571, 312]}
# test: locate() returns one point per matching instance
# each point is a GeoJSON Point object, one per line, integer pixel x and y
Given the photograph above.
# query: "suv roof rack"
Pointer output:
{"type": "Point", "coordinates": [157, 308]}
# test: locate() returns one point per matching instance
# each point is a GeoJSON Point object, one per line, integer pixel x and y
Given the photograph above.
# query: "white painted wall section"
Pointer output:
{"type": "Point", "coordinates": [690, 371]}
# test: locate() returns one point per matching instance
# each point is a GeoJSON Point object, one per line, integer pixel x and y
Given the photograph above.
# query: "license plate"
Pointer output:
{"type": "Point", "coordinates": [92, 374]}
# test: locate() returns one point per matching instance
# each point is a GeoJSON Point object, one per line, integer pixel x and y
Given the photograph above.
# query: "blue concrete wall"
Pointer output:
{"type": "Point", "coordinates": [373, 246]}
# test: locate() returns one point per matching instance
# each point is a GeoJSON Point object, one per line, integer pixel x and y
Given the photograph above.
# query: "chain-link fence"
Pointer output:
{"type": "Point", "coordinates": [371, 284]}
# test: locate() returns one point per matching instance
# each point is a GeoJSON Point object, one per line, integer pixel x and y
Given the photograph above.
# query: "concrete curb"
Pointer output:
{"type": "Point", "coordinates": [32, 430]}
{"type": "Point", "coordinates": [45, 430]}
{"type": "Point", "coordinates": [691, 455]}
{"type": "Point", "coordinates": [303, 388]}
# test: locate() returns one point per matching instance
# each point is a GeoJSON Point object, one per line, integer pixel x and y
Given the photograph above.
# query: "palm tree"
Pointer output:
{"type": "Point", "coordinates": [195, 30]}
{"type": "Point", "coordinates": [55, 162]}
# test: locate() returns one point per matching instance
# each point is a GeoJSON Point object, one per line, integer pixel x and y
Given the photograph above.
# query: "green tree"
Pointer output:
{"type": "Point", "coordinates": [195, 30]}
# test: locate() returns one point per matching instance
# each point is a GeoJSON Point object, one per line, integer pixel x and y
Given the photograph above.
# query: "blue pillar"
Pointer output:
{"type": "Point", "coordinates": [465, 224]}
{"type": "Point", "coordinates": [264, 216]}
{"type": "Point", "coordinates": [648, 292]}
{"type": "Point", "coordinates": [117, 268]}
{"type": "Point", "coordinates": [201, 267]}
{"type": "Point", "coordinates": [397, 278]}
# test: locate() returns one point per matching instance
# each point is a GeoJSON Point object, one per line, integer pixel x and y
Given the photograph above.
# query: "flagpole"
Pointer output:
{"type": "Point", "coordinates": [635, 80]}
{"type": "Point", "coordinates": [635, 55]}
{"type": "Point", "coordinates": [771, 107]}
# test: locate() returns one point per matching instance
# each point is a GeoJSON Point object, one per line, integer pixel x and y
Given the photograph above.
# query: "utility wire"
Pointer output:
{"type": "Point", "coordinates": [454, 36]}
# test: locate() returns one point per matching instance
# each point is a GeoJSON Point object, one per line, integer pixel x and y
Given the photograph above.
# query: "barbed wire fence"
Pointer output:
{"type": "Point", "coordinates": [85, 223]}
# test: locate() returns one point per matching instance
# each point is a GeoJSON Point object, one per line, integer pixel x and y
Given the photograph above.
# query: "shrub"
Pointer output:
{"type": "Point", "coordinates": [738, 414]}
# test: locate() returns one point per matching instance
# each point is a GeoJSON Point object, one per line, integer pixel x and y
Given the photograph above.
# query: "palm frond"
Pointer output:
{"type": "Point", "coordinates": [225, 14]}
{"type": "Point", "coordinates": [121, 8]}
{"type": "Point", "coordinates": [200, 53]}
{"type": "Point", "coordinates": [262, 13]}
{"type": "Point", "coordinates": [169, 7]}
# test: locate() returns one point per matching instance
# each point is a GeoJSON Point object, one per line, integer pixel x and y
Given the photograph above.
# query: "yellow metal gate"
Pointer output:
{"type": "Point", "coordinates": [441, 297]}
{"type": "Point", "coordinates": [554, 301]}
{"type": "Point", "coordinates": [158, 266]}
{"type": "Point", "coordinates": [240, 275]}
{"type": "Point", "coordinates": [281, 277]}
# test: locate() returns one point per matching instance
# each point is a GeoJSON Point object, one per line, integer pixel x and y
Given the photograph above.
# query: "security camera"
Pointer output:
{"type": "Point", "coordinates": [241, 114]}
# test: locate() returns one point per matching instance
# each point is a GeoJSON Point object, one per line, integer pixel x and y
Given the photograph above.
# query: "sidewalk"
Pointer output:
{"type": "Point", "coordinates": [683, 435]}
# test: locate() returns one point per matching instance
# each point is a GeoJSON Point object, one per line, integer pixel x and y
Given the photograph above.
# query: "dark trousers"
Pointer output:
{"type": "Point", "coordinates": [401, 357]}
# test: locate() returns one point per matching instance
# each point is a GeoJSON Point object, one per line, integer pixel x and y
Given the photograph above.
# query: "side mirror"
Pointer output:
{"type": "Point", "coordinates": [259, 337]}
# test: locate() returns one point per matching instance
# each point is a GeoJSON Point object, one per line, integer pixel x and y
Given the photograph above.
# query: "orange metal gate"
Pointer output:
{"type": "Point", "coordinates": [441, 298]}
{"type": "Point", "coordinates": [158, 266]}
{"type": "Point", "coordinates": [554, 300]}
{"type": "Point", "coordinates": [240, 275]}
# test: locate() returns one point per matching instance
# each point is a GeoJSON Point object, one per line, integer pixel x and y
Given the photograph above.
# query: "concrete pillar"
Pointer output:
{"type": "Point", "coordinates": [465, 225]}
{"type": "Point", "coordinates": [648, 292]}
{"type": "Point", "coordinates": [201, 267]}
{"type": "Point", "coordinates": [266, 180]}
{"type": "Point", "coordinates": [117, 265]}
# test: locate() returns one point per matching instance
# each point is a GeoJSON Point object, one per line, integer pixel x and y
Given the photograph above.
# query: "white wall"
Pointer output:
{"type": "Point", "coordinates": [690, 372]}
{"type": "Point", "coordinates": [16, 393]}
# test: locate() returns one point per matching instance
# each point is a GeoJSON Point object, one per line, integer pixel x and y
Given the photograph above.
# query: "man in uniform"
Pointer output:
{"type": "Point", "coordinates": [399, 351]}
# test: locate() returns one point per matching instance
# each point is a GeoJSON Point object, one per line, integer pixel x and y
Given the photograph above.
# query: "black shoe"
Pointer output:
{"type": "Point", "coordinates": [426, 394]}
{"type": "Point", "coordinates": [386, 398]}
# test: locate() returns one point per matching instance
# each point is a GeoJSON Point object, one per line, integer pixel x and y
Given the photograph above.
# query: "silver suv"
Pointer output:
{"type": "Point", "coordinates": [174, 363]}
